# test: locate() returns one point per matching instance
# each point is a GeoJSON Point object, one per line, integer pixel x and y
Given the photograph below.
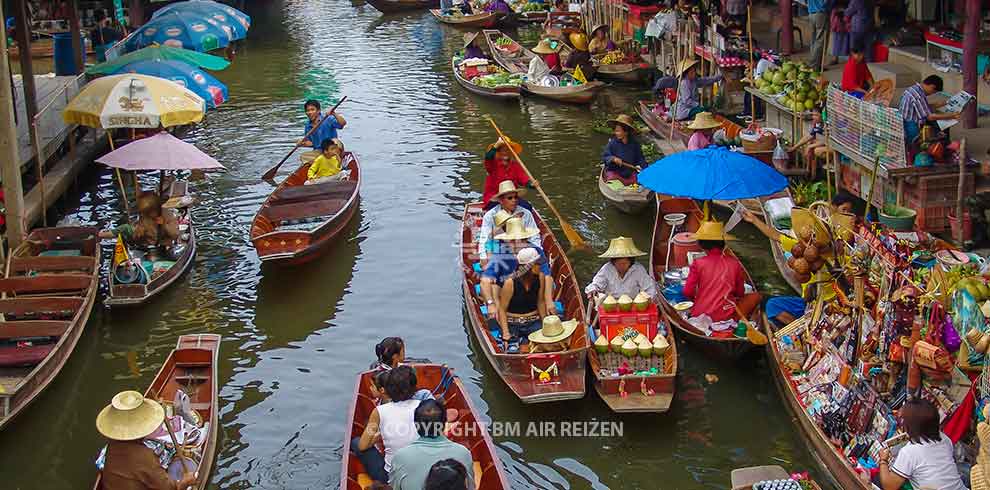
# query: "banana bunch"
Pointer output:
{"type": "Point", "coordinates": [613, 57]}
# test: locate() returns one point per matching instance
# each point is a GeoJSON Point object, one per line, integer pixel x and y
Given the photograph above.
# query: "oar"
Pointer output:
{"type": "Point", "coordinates": [572, 235]}
{"type": "Point", "coordinates": [272, 171]}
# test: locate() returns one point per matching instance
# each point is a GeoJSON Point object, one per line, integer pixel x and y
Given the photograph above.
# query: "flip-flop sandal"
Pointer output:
{"type": "Point", "coordinates": [513, 347]}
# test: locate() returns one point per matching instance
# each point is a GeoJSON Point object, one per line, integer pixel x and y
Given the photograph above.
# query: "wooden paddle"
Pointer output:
{"type": "Point", "coordinates": [267, 176]}
{"type": "Point", "coordinates": [572, 235]}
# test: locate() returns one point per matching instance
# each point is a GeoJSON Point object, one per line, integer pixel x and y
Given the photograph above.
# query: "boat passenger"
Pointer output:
{"type": "Point", "coordinates": [153, 229]}
{"type": "Point", "coordinates": [498, 6]}
{"type": "Point", "coordinates": [494, 218]}
{"type": "Point", "coordinates": [621, 274]}
{"type": "Point", "coordinates": [915, 109]}
{"type": "Point", "coordinates": [471, 48]}
{"type": "Point", "coordinates": [326, 130]}
{"type": "Point", "coordinates": [704, 125]}
{"type": "Point", "coordinates": [391, 353]}
{"type": "Point", "coordinates": [553, 336]}
{"type": "Point", "coordinates": [600, 43]}
{"type": "Point", "coordinates": [856, 77]}
{"type": "Point", "coordinates": [580, 57]}
{"type": "Point", "coordinates": [128, 462]}
{"type": "Point", "coordinates": [687, 105]}
{"type": "Point", "coordinates": [327, 166]}
{"type": "Point", "coordinates": [548, 50]}
{"type": "Point", "coordinates": [501, 165]}
{"type": "Point", "coordinates": [448, 474]}
{"type": "Point", "coordinates": [623, 155]}
{"type": "Point", "coordinates": [465, 6]}
{"type": "Point", "coordinates": [391, 423]}
{"type": "Point", "coordinates": [103, 36]}
{"type": "Point", "coordinates": [412, 463]}
{"type": "Point", "coordinates": [926, 461]}
{"type": "Point", "coordinates": [814, 141]}
{"type": "Point", "coordinates": [522, 286]}
{"type": "Point", "coordinates": [717, 282]}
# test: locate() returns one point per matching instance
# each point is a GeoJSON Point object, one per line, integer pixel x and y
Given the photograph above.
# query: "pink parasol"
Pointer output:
{"type": "Point", "coordinates": [159, 152]}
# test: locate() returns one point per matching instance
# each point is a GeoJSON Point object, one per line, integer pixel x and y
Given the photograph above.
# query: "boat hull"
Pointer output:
{"type": "Point", "coordinates": [393, 6]}
{"type": "Point", "coordinates": [626, 72]}
{"type": "Point", "coordinates": [629, 202]}
{"type": "Point", "coordinates": [484, 20]}
{"type": "Point", "coordinates": [139, 294]}
{"type": "Point", "coordinates": [499, 93]}
{"type": "Point", "coordinates": [635, 400]}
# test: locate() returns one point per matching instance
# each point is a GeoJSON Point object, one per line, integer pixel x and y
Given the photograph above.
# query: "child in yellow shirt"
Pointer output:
{"type": "Point", "coordinates": [327, 166]}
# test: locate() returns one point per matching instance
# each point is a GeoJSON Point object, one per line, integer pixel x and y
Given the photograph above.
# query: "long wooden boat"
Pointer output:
{"type": "Point", "coordinates": [46, 297]}
{"type": "Point", "coordinates": [728, 349]}
{"type": "Point", "coordinates": [137, 293]}
{"type": "Point", "coordinates": [778, 251]}
{"type": "Point", "coordinates": [622, 72]}
{"type": "Point", "coordinates": [192, 368]}
{"type": "Point", "coordinates": [521, 371]}
{"type": "Point", "coordinates": [517, 61]}
{"type": "Point", "coordinates": [638, 398]}
{"type": "Point", "coordinates": [825, 453]}
{"type": "Point", "coordinates": [627, 200]}
{"type": "Point", "coordinates": [465, 428]}
{"type": "Point", "coordinates": [505, 92]}
{"type": "Point", "coordinates": [483, 20]}
{"type": "Point", "coordinates": [745, 478]}
{"type": "Point", "coordinates": [298, 221]}
{"type": "Point", "coordinates": [392, 6]}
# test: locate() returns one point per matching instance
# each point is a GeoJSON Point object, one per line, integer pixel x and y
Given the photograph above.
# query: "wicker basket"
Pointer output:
{"type": "Point", "coordinates": [766, 142]}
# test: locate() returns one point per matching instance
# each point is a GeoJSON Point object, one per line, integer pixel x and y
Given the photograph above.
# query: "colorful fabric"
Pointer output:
{"type": "Point", "coordinates": [326, 131]}
{"type": "Point", "coordinates": [855, 75]}
{"type": "Point", "coordinates": [498, 6]}
{"type": "Point", "coordinates": [498, 172]}
{"type": "Point", "coordinates": [914, 105]}
{"type": "Point", "coordinates": [793, 305]}
{"type": "Point", "coordinates": [715, 283]}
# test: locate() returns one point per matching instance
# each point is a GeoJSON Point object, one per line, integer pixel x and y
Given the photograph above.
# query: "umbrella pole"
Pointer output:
{"type": "Point", "coordinates": [707, 216]}
{"type": "Point", "coordinates": [120, 180]}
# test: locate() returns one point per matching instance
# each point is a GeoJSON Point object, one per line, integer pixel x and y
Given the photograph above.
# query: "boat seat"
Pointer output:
{"type": "Point", "coordinates": [61, 253]}
{"type": "Point", "coordinates": [24, 356]}
{"type": "Point", "coordinates": [32, 328]}
{"type": "Point", "coordinates": [45, 283]}
{"type": "Point", "coordinates": [341, 189]}
{"type": "Point", "coordinates": [66, 306]}
{"type": "Point", "coordinates": [26, 265]}
{"type": "Point", "coordinates": [306, 209]}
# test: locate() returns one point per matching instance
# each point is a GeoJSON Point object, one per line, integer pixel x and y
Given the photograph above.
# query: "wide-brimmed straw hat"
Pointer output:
{"type": "Point", "coordinates": [129, 416]}
{"type": "Point", "coordinates": [528, 256]}
{"type": "Point", "coordinates": [712, 230]}
{"type": "Point", "coordinates": [597, 28]}
{"type": "Point", "coordinates": [516, 230]}
{"type": "Point", "coordinates": [548, 46]}
{"type": "Point", "coordinates": [624, 120]}
{"type": "Point", "coordinates": [506, 187]}
{"type": "Point", "coordinates": [553, 330]}
{"type": "Point", "coordinates": [469, 38]}
{"type": "Point", "coordinates": [704, 120]}
{"type": "Point", "coordinates": [684, 65]}
{"type": "Point", "coordinates": [622, 247]}
{"type": "Point", "coordinates": [501, 216]}
{"type": "Point", "coordinates": [516, 147]}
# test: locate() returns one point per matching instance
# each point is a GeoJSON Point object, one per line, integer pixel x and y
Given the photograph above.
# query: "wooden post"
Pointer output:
{"type": "Point", "coordinates": [959, 189]}
{"type": "Point", "coordinates": [135, 14]}
{"type": "Point", "coordinates": [786, 28]}
{"type": "Point", "coordinates": [78, 48]}
{"type": "Point", "coordinates": [971, 37]}
{"type": "Point", "coordinates": [23, 38]}
{"type": "Point", "coordinates": [10, 161]}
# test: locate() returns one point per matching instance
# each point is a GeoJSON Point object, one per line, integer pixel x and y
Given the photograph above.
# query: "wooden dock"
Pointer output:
{"type": "Point", "coordinates": [52, 98]}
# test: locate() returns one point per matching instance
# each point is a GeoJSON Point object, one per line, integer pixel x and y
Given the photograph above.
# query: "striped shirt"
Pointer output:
{"type": "Point", "coordinates": [914, 105]}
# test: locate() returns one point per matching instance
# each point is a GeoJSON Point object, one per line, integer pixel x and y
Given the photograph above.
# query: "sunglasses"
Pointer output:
{"type": "Point", "coordinates": [511, 197]}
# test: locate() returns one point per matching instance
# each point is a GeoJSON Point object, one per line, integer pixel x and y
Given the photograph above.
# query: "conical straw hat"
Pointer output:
{"type": "Point", "coordinates": [129, 416]}
{"type": "Point", "coordinates": [622, 247]}
{"type": "Point", "coordinates": [516, 230]}
{"type": "Point", "coordinates": [684, 65]}
{"type": "Point", "coordinates": [712, 230]}
{"type": "Point", "coordinates": [704, 120]}
{"type": "Point", "coordinates": [626, 121]}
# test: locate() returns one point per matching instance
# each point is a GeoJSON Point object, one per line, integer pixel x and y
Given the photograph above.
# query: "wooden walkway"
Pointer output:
{"type": "Point", "coordinates": [52, 130]}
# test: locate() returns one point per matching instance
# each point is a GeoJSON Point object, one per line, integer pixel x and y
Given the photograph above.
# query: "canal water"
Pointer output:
{"type": "Point", "coordinates": [294, 339]}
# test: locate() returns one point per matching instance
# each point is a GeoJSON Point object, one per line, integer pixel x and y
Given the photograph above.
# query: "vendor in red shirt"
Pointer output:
{"type": "Point", "coordinates": [548, 49]}
{"type": "Point", "coordinates": [501, 166]}
{"type": "Point", "coordinates": [717, 282]}
{"type": "Point", "coordinates": [856, 76]}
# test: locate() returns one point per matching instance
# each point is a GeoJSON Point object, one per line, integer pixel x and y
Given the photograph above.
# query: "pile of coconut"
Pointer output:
{"type": "Point", "coordinates": [633, 349]}
{"type": "Point", "coordinates": [806, 259]}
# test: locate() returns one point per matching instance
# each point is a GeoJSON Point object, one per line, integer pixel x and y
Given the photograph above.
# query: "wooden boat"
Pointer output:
{"type": "Point", "coordinates": [521, 372]}
{"type": "Point", "coordinates": [47, 292]}
{"type": "Point", "coordinates": [125, 291]}
{"type": "Point", "coordinates": [516, 60]}
{"type": "Point", "coordinates": [192, 368]}
{"type": "Point", "coordinates": [298, 221]}
{"type": "Point", "coordinates": [622, 72]}
{"type": "Point", "coordinates": [778, 251]}
{"type": "Point", "coordinates": [745, 478]}
{"type": "Point", "coordinates": [827, 456]}
{"type": "Point", "coordinates": [538, 17]}
{"type": "Point", "coordinates": [392, 6]}
{"type": "Point", "coordinates": [626, 200]}
{"type": "Point", "coordinates": [506, 92]}
{"type": "Point", "coordinates": [465, 429]}
{"type": "Point", "coordinates": [637, 399]}
{"type": "Point", "coordinates": [729, 349]}
{"type": "Point", "coordinates": [483, 20]}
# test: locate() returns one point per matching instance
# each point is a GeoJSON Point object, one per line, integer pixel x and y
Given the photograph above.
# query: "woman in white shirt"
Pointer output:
{"type": "Point", "coordinates": [621, 274]}
{"type": "Point", "coordinates": [926, 461]}
{"type": "Point", "coordinates": [391, 423]}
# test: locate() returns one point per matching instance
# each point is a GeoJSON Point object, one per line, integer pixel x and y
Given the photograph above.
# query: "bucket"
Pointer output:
{"type": "Point", "coordinates": [684, 242]}
{"type": "Point", "coordinates": [65, 58]}
{"type": "Point", "coordinates": [899, 219]}
{"type": "Point", "coordinates": [961, 232]}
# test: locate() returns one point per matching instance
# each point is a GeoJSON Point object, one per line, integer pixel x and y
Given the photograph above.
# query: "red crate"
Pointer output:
{"type": "Point", "coordinates": [933, 219]}
{"type": "Point", "coordinates": [644, 322]}
{"type": "Point", "coordinates": [941, 190]}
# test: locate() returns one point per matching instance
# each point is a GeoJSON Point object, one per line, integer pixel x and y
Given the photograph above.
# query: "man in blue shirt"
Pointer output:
{"type": "Point", "coordinates": [411, 464]}
{"type": "Point", "coordinates": [326, 130]}
{"type": "Point", "coordinates": [818, 15]}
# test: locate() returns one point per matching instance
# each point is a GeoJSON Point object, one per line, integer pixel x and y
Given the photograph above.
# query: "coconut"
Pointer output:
{"type": "Point", "coordinates": [660, 345]}
{"type": "Point", "coordinates": [641, 301]}
{"type": "Point", "coordinates": [811, 252]}
{"type": "Point", "coordinates": [610, 304]}
{"type": "Point", "coordinates": [804, 233]}
{"type": "Point", "coordinates": [645, 348]}
{"type": "Point", "coordinates": [629, 348]}
{"type": "Point", "coordinates": [801, 266]}
{"type": "Point", "coordinates": [639, 339]}
{"type": "Point", "coordinates": [803, 278]}
{"type": "Point", "coordinates": [798, 250]}
{"type": "Point", "coordinates": [625, 302]}
{"type": "Point", "coordinates": [617, 343]}
{"type": "Point", "coordinates": [790, 261]}
{"type": "Point", "coordinates": [601, 344]}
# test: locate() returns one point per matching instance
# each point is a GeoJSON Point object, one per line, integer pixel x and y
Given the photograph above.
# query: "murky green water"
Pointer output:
{"type": "Point", "coordinates": [294, 339]}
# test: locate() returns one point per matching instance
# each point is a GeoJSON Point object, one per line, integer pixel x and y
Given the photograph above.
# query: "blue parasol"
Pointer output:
{"type": "Point", "coordinates": [181, 30]}
{"type": "Point", "coordinates": [712, 173]}
{"type": "Point", "coordinates": [212, 12]}
{"type": "Point", "coordinates": [213, 91]}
